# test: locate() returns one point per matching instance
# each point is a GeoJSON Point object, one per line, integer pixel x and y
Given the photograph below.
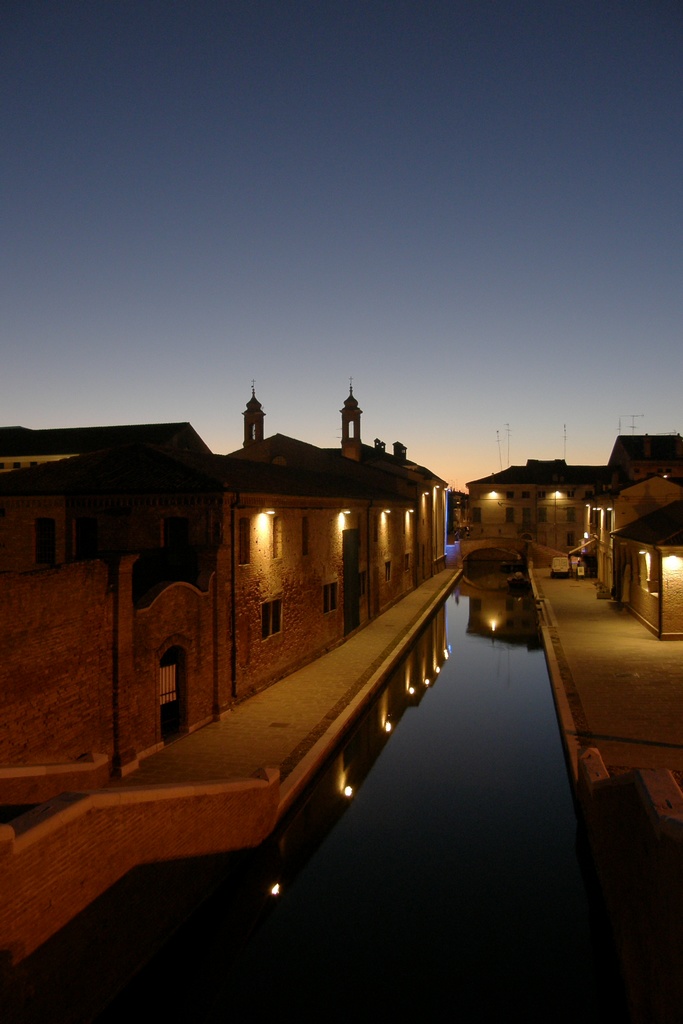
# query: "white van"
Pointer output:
{"type": "Point", "coordinates": [559, 566]}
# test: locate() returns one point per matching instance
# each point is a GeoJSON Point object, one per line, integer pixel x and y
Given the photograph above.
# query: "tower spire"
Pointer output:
{"type": "Point", "coordinates": [253, 419]}
{"type": "Point", "coordinates": [352, 447]}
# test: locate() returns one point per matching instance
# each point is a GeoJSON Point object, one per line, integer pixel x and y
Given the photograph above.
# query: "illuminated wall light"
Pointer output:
{"type": "Point", "coordinates": [388, 726]}
{"type": "Point", "coordinates": [446, 654]}
{"type": "Point", "coordinates": [348, 791]}
{"type": "Point", "coordinates": [387, 511]}
{"type": "Point", "coordinates": [427, 682]}
{"type": "Point", "coordinates": [437, 670]}
{"type": "Point", "coordinates": [493, 627]}
{"type": "Point", "coordinates": [275, 889]}
{"type": "Point", "coordinates": [672, 562]}
{"type": "Point", "coordinates": [411, 690]}
{"type": "Point", "coordinates": [270, 511]}
{"type": "Point", "coordinates": [346, 511]}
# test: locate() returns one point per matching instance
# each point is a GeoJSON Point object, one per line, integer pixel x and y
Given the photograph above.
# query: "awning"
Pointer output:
{"type": "Point", "coordinates": [584, 545]}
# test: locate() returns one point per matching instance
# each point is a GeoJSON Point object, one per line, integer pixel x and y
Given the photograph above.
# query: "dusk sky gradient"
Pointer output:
{"type": "Point", "coordinates": [474, 208]}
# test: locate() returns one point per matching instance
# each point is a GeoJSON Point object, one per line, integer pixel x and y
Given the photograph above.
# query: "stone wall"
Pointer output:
{"type": "Point", "coordinates": [635, 827]}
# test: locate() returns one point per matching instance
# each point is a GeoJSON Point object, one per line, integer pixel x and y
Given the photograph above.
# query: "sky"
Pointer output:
{"type": "Point", "coordinates": [472, 208]}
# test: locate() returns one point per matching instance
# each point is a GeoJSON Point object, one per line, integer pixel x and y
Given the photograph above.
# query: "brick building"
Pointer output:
{"type": "Point", "coordinates": [144, 588]}
{"type": "Point", "coordinates": [21, 447]}
{"type": "Point", "coordinates": [547, 502]}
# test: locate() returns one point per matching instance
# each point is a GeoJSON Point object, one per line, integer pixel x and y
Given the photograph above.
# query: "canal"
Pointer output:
{"type": "Point", "coordinates": [435, 868]}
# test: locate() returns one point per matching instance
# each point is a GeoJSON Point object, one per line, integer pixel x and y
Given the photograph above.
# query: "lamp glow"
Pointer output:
{"type": "Point", "coordinates": [275, 889]}
{"type": "Point", "coordinates": [348, 790]}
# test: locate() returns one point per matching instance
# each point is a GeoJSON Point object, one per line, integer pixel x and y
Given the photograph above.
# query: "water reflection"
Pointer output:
{"type": "Point", "coordinates": [432, 866]}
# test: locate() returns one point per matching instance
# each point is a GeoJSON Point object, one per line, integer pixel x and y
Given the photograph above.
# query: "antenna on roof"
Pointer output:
{"type": "Point", "coordinates": [500, 460]}
{"type": "Point", "coordinates": [565, 441]}
{"type": "Point", "coordinates": [633, 417]}
{"type": "Point", "coordinates": [507, 431]}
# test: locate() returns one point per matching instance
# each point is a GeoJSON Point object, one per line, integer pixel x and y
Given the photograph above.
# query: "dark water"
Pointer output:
{"type": "Point", "coordinates": [447, 885]}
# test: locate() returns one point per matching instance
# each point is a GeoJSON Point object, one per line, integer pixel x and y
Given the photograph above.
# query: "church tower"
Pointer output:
{"type": "Point", "coordinates": [253, 420]}
{"type": "Point", "coordinates": [351, 442]}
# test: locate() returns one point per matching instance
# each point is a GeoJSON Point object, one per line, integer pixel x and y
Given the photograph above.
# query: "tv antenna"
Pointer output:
{"type": "Point", "coordinates": [507, 431]}
{"type": "Point", "coordinates": [633, 417]}
{"type": "Point", "coordinates": [500, 459]}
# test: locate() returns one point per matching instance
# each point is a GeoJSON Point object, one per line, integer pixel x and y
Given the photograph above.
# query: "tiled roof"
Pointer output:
{"type": "Point", "coordinates": [647, 447]}
{"type": "Point", "coordinates": [18, 442]}
{"type": "Point", "coordinates": [553, 471]}
{"type": "Point", "coordinates": [663, 527]}
{"type": "Point", "coordinates": [147, 469]}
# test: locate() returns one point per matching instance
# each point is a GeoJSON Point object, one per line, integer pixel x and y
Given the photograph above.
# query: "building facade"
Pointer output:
{"type": "Point", "coordinates": [146, 589]}
{"type": "Point", "coordinates": [544, 502]}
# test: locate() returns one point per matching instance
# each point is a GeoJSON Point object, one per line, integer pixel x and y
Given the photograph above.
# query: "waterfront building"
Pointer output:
{"type": "Point", "coordinates": [145, 589]}
{"type": "Point", "coordinates": [544, 502]}
{"type": "Point", "coordinates": [21, 447]}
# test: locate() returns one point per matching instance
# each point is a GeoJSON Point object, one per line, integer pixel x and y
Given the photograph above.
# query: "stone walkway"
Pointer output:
{"type": "Point", "coordinates": [624, 687]}
{"type": "Point", "coordinates": [295, 723]}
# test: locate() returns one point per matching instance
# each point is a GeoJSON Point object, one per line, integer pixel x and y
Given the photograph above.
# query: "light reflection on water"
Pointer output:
{"type": "Point", "coordinates": [447, 882]}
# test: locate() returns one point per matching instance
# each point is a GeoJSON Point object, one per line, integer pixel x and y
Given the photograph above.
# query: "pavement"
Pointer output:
{"type": "Point", "coordinates": [623, 686]}
{"type": "Point", "coordinates": [617, 688]}
{"type": "Point", "coordinates": [295, 723]}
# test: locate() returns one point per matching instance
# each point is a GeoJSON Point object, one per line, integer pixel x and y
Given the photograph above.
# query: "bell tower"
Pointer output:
{"type": "Point", "coordinates": [351, 443]}
{"type": "Point", "coordinates": [253, 420]}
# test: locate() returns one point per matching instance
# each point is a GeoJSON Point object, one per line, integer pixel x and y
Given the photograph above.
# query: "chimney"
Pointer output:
{"type": "Point", "coordinates": [379, 445]}
{"type": "Point", "coordinates": [400, 451]}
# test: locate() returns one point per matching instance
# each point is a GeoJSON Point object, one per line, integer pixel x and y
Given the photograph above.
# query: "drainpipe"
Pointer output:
{"type": "Point", "coordinates": [367, 558]}
{"type": "Point", "coordinates": [660, 614]}
{"type": "Point", "coordinates": [233, 616]}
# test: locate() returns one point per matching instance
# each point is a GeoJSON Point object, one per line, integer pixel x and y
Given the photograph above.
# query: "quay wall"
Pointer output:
{"type": "Point", "coordinates": [634, 824]}
{"type": "Point", "coordinates": [61, 856]}
{"type": "Point", "coordinates": [635, 829]}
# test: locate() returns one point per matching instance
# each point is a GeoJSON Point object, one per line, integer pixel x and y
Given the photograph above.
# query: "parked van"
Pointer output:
{"type": "Point", "coordinates": [559, 566]}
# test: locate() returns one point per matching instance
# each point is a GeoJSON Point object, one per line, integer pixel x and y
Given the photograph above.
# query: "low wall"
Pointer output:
{"type": "Point", "coordinates": [33, 784]}
{"type": "Point", "coordinates": [634, 823]}
{"type": "Point", "coordinates": [59, 857]}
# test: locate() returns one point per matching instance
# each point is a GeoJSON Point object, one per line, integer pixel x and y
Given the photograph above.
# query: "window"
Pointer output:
{"type": "Point", "coordinates": [304, 535]}
{"type": "Point", "coordinates": [277, 537]}
{"type": "Point", "coordinates": [526, 494]}
{"type": "Point", "coordinates": [176, 532]}
{"type": "Point", "coordinates": [271, 618]}
{"type": "Point", "coordinates": [526, 517]}
{"type": "Point", "coordinates": [571, 514]}
{"type": "Point", "coordinates": [387, 571]}
{"type": "Point", "coordinates": [509, 515]}
{"type": "Point", "coordinates": [329, 597]}
{"type": "Point", "coordinates": [570, 539]}
{"type": "Point", "coordinates": [45, 541]}
{"type": "Point", "coordinates": [543, 515]}
{"type": "Point", "coordinates": [406, 561]}
{"type": "Point", "coordinates": [244, 539]}
{"type": "Point", "coordinates": [476, 514]}
{"type": "Point", "coordinates": [510, 495]}
{"type": "Point", "coordinates": [570, 494]}
{"type": "Point", "coordinates": [16, 465]}
{"type": "Point", "coordinates": [540, 494]}
{"type": "Point", "coordinates": [86, 537]}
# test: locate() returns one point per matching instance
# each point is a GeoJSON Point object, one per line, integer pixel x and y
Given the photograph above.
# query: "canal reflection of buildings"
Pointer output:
{"type": "Point", "coordinates": [501, 616]}
{"type": "Point", "coordinates": [314, 816]}
{"type": "Point", "coordinates": [257, 878]}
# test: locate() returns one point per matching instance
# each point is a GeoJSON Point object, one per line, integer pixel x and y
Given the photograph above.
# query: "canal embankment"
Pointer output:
{"type": "Point", "coordinates": [619, 702]}
{"type": "Point", "coordinates": [69, 866]}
